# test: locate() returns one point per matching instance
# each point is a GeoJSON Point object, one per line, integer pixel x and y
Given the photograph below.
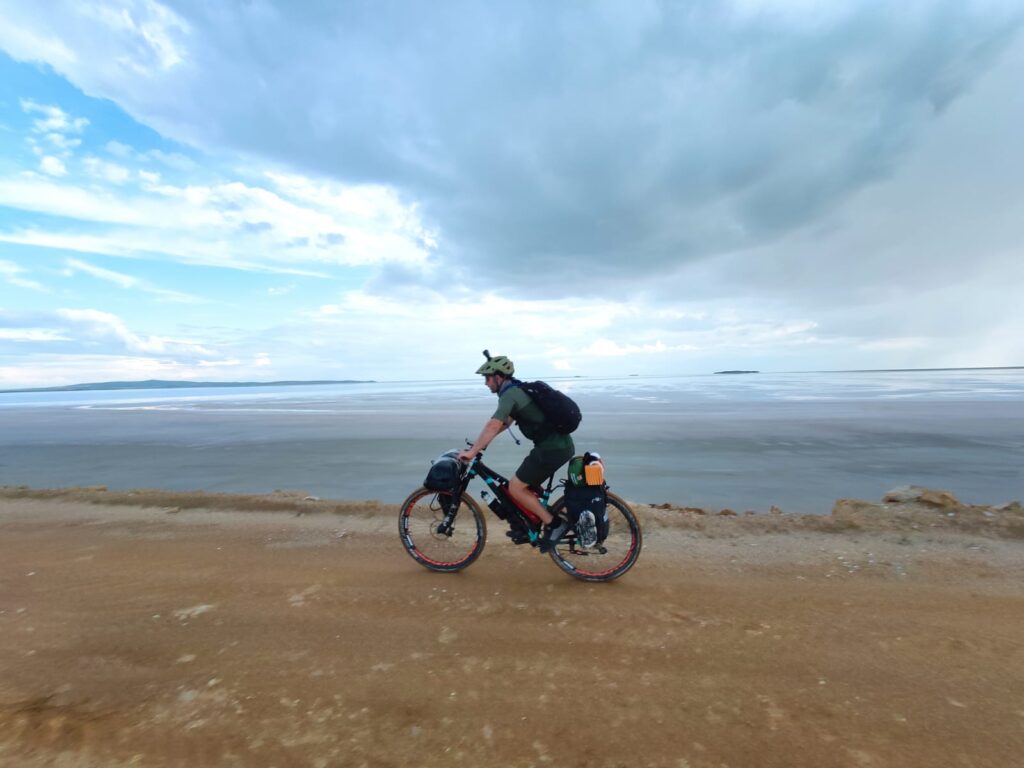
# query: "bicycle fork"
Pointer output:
{"type": "Point", "coordinates": [450, 509]}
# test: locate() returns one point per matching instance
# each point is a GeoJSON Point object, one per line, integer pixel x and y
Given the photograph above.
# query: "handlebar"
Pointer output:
{"type": "Point", "coordinates": [469, 444]}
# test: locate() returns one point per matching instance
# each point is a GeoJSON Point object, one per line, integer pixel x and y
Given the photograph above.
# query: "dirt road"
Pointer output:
{"type": "Point", "coordinates": [144, 637]}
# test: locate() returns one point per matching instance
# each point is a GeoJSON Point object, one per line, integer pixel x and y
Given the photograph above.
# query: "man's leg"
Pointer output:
{"type": "Point", "coordinates": [525, 498]}
{"type": "Point", "coordinates": [554, 528]}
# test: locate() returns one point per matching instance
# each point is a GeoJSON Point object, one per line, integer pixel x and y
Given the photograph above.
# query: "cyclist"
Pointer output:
{"type": "Point", "coordinates": [550, 449]}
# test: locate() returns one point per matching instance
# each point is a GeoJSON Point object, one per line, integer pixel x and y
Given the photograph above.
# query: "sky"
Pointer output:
{"type": "Point", "coordinates": [271, 189]}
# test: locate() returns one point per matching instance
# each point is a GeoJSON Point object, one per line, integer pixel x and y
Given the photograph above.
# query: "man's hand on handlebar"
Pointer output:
{"type": "Point", "coordinates": [468, 454]}
{"type": "Point", "coordinates": [491, 428]}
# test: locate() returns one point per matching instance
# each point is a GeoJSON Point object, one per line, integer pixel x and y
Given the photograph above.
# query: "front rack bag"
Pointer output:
{"type": "Point", "coordinates": [445, 473]}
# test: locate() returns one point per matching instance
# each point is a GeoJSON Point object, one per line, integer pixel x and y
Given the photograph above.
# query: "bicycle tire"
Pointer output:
{"type": "Point", "coordinates": [418, 520]}
{"type": "Point", "coordinates": [622, 546]}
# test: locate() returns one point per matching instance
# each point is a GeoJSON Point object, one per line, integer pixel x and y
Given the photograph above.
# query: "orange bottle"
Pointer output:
{"type": "Point", "coordinates": [593, 470]}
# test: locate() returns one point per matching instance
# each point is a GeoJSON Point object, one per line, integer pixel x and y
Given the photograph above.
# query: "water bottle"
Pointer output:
{"type": "Point", "coordinates": [495, 504]}
{"type": "Point", "coordinates": [593, 469]}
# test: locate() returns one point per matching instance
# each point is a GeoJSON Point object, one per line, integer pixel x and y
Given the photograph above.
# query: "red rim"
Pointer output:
{"type": "Point", "coordinates": [613, 569]}
{"type": "Point", "coordinates": [622, 565]}
{"type": "Point", "coordinates": [418, 553]}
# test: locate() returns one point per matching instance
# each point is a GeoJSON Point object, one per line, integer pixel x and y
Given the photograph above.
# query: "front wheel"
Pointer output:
{"type": "Point", "coordinates": [612, 557]}
{"type": "Point", "coordinates": [440, 534]}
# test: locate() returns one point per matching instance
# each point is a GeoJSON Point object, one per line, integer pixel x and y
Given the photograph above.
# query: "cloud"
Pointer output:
{"type": "Point", "coordinates": [106, 171]}
{"type": "Point", "coordinates": [73, 266]}
{"type": "Point", "coordinates": [92, 325]}
{"type": "Point", "coordinates": [32, 335]}
{"type": "Point", "coordinates": [53, 166]}
{"type": "Point", "coordinates": [286, 223]}
{"type": "Point", "coordinates": [898, 344]}
{"type": "Point", "coordinates": [124, 281]}
{"type": "Point", "coordinates": [609, 348]}
{"type": "Point", "coordinates": [53, 128]}
{"type": "Point", "coordinates": [155, 33]}
{"type": "Point", "coordinates": [120, 39]}
{"type": "Point", "coordinates": [565, 151]}
{"type": "Point", "coordinates": [117, 149]}
{"type": "Point", "coordinates": [74, 345]}
{"type": "Point", "coordinates": [671, 133]}
{"type": "Point", "coordinates": [25, 44]}
{"type": "Point", "coordinates": [40, 195]}
{"type": "Point", "coordinates": [63, 346]}
{"type": "Point", "coordinates": [280, 224]}
{"type": "Point", "coordinates": [175, 160]}
{"type": "Point", "coordinates": [62, 142]}
{"type": "Point", "coordinates": [53, 120]}
{"type": "Point", "coordinates": [12, 274]}
{"type": "Point", "coordinates": [563, 334]}
{"type": "Point", "coordinates": [48, 369]}
{"type": "Point", "coordinates": [667, 178]}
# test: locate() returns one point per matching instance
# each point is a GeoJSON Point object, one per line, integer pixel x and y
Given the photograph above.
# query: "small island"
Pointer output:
{"type": "Point", "coordinates": [730, 372]}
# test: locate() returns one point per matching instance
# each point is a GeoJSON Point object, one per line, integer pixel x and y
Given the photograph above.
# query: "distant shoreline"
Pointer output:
{"type": "Point", "coordinates": [912, 370]}
{"type": "Point", "coordinates": [163, 384]}
{"type": "Point", "coordinates": [167, 384]}
{"type": "Point", "coordinates": [885, 370]}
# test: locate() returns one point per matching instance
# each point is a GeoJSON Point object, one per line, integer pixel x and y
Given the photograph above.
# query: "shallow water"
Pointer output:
{"type": "Point", "coordinates": [798, 440]}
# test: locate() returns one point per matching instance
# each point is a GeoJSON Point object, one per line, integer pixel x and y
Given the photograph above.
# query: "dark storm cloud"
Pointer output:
{"type": "Point", "coordinates": [630, 136]}
{"type": "Point", "coordinates": [605, 142]}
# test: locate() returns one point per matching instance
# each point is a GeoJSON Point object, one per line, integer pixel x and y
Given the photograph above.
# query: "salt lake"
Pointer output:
{"type": "Point", "coordinates": [795, 440]}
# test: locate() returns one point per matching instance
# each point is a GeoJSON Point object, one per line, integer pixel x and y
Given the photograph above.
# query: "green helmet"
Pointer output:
{"type": "Point", "coordinates": [499, 364]}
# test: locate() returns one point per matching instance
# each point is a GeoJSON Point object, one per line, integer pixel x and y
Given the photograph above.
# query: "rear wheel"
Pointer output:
{"type": "Point", "coordinates": [612, 557]}
{"type": "Point", "coordinates": [438, 537]}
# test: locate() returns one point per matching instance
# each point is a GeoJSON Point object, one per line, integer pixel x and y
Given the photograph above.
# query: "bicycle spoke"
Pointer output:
{"type": "Point", "coordinates": [613, 557]}
{"type": "Point", "coordinates": [439, 540]}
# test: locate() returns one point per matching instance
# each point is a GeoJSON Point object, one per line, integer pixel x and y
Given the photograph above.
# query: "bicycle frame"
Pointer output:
{"type": "Point", "coordinates": [498, 484]}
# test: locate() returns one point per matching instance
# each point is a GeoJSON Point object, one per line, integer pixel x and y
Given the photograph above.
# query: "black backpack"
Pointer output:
{"type": "Point", "coordinates": [560, 412]}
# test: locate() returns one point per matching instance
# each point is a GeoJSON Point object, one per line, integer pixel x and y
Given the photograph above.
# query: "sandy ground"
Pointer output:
{"type": "Point", "coordinates": [168, 636]}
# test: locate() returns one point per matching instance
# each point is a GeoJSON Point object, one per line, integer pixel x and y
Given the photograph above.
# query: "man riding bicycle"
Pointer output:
{"type": "Point", "coordinates": [551, 449]}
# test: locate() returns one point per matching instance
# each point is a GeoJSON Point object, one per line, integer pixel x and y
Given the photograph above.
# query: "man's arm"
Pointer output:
{"type": "Point", "coordinates": [491, 430]}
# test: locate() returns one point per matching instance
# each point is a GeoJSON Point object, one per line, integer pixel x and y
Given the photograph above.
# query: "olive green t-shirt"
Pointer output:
{"type": "Point", "coordinates": [514, 402]}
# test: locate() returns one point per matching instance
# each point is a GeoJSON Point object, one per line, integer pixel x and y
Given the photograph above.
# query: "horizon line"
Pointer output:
{"type": "Point", "coordinates": [324, 382]}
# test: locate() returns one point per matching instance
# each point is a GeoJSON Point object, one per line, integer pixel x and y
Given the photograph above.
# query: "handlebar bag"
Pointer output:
{"type": "Point", "coordinates": [445, 473]}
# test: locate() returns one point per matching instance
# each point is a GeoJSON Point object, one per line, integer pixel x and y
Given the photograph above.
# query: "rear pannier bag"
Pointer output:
{"type": "Point", "coordinates": [445, 473]}
{"type": "Point", "coordinates": [592, 497]}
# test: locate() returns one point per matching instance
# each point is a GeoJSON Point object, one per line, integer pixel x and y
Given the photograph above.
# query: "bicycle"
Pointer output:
{"type": "Point", "coordinates": [446, 531]}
